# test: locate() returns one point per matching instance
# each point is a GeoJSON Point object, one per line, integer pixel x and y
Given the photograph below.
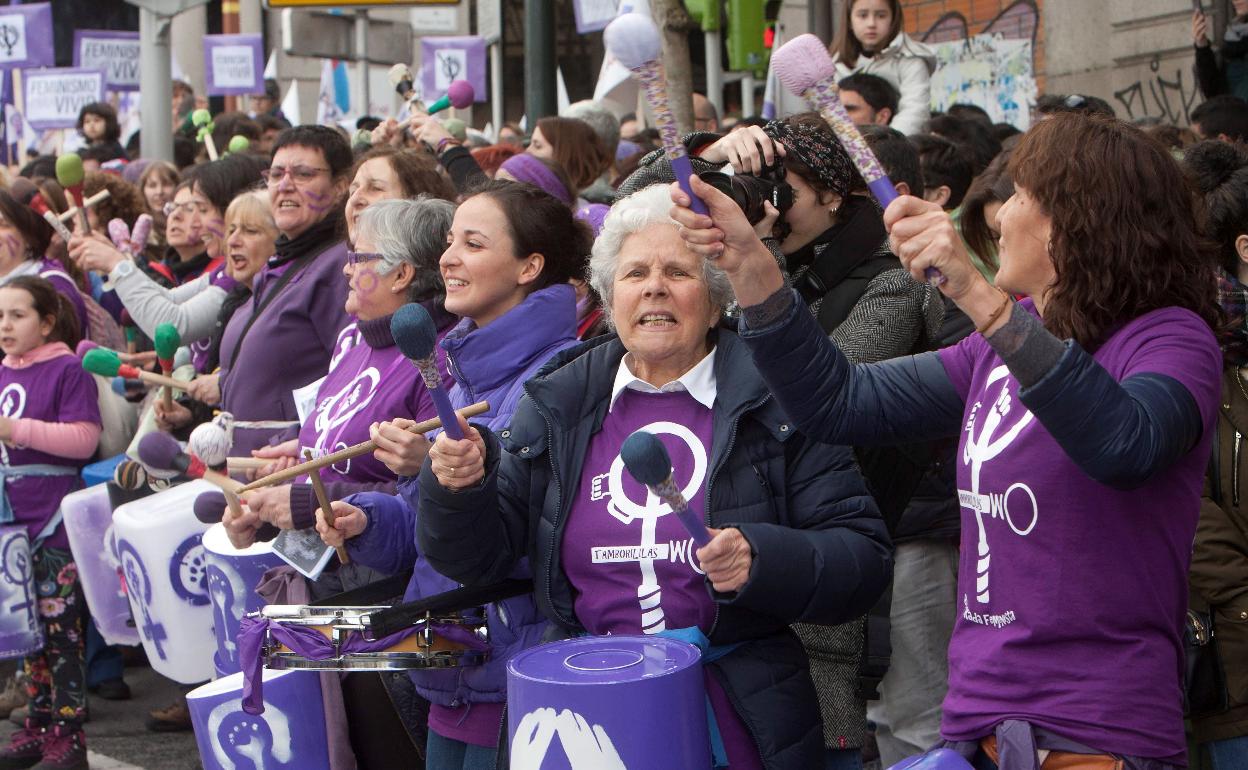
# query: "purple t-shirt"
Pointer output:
{"type": "Point", "coordinates": [629, 560]}
{"type": "Point", "coordinates": [57, 390]}
{"type": "Point", "coordinates": [54, 272]}
{"type": "Point", "coordinates": [1071, 594]}
{"type": "Point", "coordinates": [201, 348]}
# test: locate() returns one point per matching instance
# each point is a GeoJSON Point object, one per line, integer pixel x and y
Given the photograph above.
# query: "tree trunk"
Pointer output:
{"type": "Point", "coordinates": [674, 24]}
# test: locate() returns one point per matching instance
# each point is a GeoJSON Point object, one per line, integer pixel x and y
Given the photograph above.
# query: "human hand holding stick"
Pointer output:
{"type": "Point", "coordinates": [322, 498]}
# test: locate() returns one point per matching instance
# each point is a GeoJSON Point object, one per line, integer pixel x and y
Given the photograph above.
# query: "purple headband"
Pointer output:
{"type": "Point", "coordinates": [526, 168]}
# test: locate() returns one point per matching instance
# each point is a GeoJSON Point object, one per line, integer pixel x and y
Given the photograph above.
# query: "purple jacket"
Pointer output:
{"type": "Point", "coordinates": [492, 364]}
{"type": "Point", "coordinates": [288, 347]}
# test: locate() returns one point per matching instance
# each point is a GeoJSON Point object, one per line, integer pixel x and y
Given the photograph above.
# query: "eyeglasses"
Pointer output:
{"type": "Point", "coordinates": [359, 257]}
{"type": "Point", "coordinates": [300, 174]}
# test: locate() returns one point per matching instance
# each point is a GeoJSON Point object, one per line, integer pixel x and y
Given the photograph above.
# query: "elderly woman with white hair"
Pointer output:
{"type": "Point", "coordinates": [395, 261]}
{"type": "Point", "coordinates": [795, 534]}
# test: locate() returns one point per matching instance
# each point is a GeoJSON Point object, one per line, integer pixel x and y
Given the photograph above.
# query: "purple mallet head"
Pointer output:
{"type": "Point", "coordinates": [802, 62]}
{"type": "Point", "coordinates": [633, 39]}
{"type": "Point", "coordinates": [210, 507]}
{"type": "Point", "coordinates": [461, 94]}
{"type": "Point", "coordinates": [162, 452]}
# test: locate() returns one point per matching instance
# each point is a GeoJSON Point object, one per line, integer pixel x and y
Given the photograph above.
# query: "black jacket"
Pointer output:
{"type": "Point", "coordinates": [821, 551]}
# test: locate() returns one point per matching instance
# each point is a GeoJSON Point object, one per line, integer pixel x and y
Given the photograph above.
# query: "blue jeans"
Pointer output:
{"type": "Point", "coordinates": [1228, 754]}
{"type": "Point", "coordinates": [843, 759]}
{"type": "Point", "coordinates": [447, 754]}
{"type": "Point", "coordinates": [104, 661]}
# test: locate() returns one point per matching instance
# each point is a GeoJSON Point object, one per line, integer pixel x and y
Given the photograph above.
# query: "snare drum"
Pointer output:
{"type": "Point", "coordinates": [437, 642]}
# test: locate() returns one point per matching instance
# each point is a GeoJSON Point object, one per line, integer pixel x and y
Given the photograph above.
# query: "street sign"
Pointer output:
{"type": "Point", "coordinates": [352, 3]}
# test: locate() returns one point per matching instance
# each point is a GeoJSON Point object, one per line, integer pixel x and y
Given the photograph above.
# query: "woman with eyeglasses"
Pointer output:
{"type": "Point", "coordinates": [286, 336]}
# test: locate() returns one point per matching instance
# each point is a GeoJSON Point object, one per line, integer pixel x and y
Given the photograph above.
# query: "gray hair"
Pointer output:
{"type": "Point", "coordinates": [646, 207]}
{"type": "Point", "coordinates": [412, 231]}
{"type": "Point", "coordinates": [604, 122]}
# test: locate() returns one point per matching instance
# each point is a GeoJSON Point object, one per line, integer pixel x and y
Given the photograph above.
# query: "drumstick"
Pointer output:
{"type": "Point", "coordinates": [70, 175]}
{"type": "Point", "coordinates": [647, 460]}
{"type": "Point", "coordinates": [166, 341]}
{"type": "Point", "coordinates": [322, 497]}
{"type": "Point", "coordinates": [634, 40]}
{"type": "Point", "coordinates": [107, 363]}
{"type": "Point", "coordinates": [161, 451]}
{"type": "Point", "coordinates": [416, 335]}
{"type": "Point", "coordinates": [806, 70]}
{"type": "Point", "coordinates": [472, 410]}
{"type": "Point", "coordinates": [72, 211]}
{"type": "Point", "coordinates": [236, 464]}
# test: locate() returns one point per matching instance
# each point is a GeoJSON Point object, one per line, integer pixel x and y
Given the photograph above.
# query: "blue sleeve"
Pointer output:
{"type": "Point", "coordinates": [831, 400]}
{"type": "Point", "coordinates": [1120, 434]}
{"type": "Point", "coordinates": [388, 542]}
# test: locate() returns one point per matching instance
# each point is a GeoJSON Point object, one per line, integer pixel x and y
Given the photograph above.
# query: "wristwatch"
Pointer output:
{"type": "Point", "coordinates": [122, 269]}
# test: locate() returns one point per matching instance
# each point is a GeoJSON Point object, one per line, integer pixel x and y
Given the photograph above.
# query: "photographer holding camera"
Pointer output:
{"type": "Point", "coordinates": [808, 203]}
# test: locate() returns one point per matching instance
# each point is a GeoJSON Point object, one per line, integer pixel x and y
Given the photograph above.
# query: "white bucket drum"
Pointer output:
{"type": "Point", "coordinates": [232, 579]}
{"type": "Point", "coordinates": [88, 514]}
{"type": "Point", "coordinates": [20, 631]}
{"type": "Point", "coordinates": [289, 735]}
{"type": "Point", "coordinates": [163, 561]}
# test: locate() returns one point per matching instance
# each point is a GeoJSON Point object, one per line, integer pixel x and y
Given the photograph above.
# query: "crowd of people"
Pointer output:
{"type": "Point", "coordinates": [970, 463]}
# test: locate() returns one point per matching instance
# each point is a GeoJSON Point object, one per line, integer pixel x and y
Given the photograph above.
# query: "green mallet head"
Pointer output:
{"type": "Point", "coordinates": [166, 340]}
{"type": "Point", "coordinates": [102, 361]}
{"type": "Point", "coordinates": [238, 143]}
{"type": "Point", "coordinates": [201, 118]}
{"type": "Point", "coordinates": [69, 171]}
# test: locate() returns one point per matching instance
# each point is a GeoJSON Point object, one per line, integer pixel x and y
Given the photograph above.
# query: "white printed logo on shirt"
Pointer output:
{"type": "Point", "coordinates": [989, 431]}
{"type": "Point", "coordinates": [12, 404]}
{"type": "Point", "coordinates": [649, 512]}
{"type": "Point", "coordinates": [336, 410]}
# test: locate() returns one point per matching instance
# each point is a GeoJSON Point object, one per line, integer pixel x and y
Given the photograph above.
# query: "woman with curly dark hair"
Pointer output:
{"type": "Point", "coordinates": [1084, 416]}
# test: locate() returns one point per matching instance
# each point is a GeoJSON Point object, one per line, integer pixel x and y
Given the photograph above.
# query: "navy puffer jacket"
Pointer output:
{"type": "Point", "coordinates": [821, 552]}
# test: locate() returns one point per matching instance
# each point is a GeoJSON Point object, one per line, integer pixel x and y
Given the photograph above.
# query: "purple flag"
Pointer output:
{"type": "Point", "coordinates": [117, 53]}
{"type": "Point", "coordinates": [443, 59]}
{"type": "Point", "coordinates": [26, 36]}
{"type": "Point", "coordinates": [234, 64]}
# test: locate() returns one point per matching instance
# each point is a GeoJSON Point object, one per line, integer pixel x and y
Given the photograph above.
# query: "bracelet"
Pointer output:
{"type": "Point", "coordinates": [1006, 300]}
{"type": "Point", "coordinates": [442, 143]}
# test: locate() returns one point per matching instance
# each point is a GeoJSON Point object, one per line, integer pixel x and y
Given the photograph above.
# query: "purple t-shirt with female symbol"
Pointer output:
{"type": "Point", "coordinates": [1072, 594]}
{"type": "Point", "coordinates": [630, 561]}
{"type": "Point", "coordinates": [57, 390]}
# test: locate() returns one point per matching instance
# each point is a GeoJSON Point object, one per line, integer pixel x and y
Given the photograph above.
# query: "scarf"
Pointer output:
{"type": "Point", "coordinates": [818, 150]}
{"type": "Point", "coordinates": [1236, 31]}
{"type": "Point", "coordinates": [1233, 337]}
{"type": "Point", "coordinates": [310, 241]}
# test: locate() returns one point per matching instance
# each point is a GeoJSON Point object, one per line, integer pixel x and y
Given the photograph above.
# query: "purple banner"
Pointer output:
{"type": "Point", "coordinates": [117, 53]}
{"type": "Point", "coordinates": [234, 64]}
{"type": "Point", "coordinates": [54, 96]}
{"type": "Point", "coordinates": [443, 59]}
{"type": "Point", "coordinates": [26, 36]}
{"type": "Point", "coordinates": [593, 15]}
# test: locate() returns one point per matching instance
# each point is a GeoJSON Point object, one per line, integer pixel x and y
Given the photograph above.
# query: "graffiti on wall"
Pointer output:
{"type": "Point", "coordinates": [1169, 98]}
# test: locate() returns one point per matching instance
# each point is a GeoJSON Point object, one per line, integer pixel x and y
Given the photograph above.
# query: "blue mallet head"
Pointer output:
{"type": "Point", "coordinates": [414, 331]}
{"type": "Point", "coordinates": [646, 458]}
{"type": "Point", "coordinates": [209, 507]}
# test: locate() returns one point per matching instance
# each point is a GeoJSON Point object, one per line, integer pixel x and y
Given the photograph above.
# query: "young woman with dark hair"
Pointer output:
{"type": "Point", "coordinates": [97, 122]}
{"type": "Point", "coordinates": [1084, 414]}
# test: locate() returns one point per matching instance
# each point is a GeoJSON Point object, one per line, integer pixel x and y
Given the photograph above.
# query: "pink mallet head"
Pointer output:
{"type": "Point", "coordinates": [802, 62]}
{"type": "Point", "coordinates": [633, 39]}
{"type": "Point", "coordinates": [142, 229]}
{"type": "Point", "coordinates": [119, 233]}
{"type": "Point", "coordinates": [461, 94]}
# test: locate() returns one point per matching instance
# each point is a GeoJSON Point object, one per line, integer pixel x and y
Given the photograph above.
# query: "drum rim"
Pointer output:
{"type": "Point", "coordinates": [378, 661]}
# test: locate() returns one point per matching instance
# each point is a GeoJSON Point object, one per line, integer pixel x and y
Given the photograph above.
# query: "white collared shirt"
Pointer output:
{"type": "Point", "coordinates": [698, 382]}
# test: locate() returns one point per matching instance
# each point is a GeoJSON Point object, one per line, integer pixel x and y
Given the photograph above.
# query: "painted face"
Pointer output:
{"type": "Point", "coordinates": [539, 147]}
{"type": "Point", "coordinates": [208, 223]}
{"type": "Point", "coordinates": [660, 302]}
{"type": "Point", "coordinates": [157, 191]}
{"type": "Point", "coordinates": [483, 276]}
{"type": "Point", "coordinates": [374, 181]}
{"type": "Point", "coordinates": [372, 295]}
{"type": "Point", "coordinates": [13, 250]}
{"type": "Point", "coordinates": [870, 21]}
{"type": "Point", "coordinates": [1026, 266]}
{"type": "Point", "coordinates": [93, 127]}
{"type": "Point", "coordinates": [248, 244]}
{"type": "Point", "coordinates": [301, 189]}
{"type": "Point", "coordinates": [807, 218]}
{"type": "Point", "coordinates": [21, 328]}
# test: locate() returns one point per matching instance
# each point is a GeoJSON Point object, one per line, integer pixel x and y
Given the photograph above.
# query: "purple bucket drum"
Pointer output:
{"type": "Point", "coordinates": [20, 631]}
{"type": "Point", "coordinates": [608, 702]}
{"type": "Point", "coordinates": [88, 516]}
{"type": "Point", "coordinates": [232, 579]}
{"type": "Point", "coordinates": [940, 759]}
{"type": "Point", "coordinates": [289, 735]}
{"type": "Point", "coordinates": [163, 561]}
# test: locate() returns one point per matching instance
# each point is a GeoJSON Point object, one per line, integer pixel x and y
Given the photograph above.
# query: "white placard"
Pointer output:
{"type": "Point", "coordinates": [594, 14]}
{"type": "Point", "coordinates": [233, 66]}
{"type": "Point", "coordinates": [436, 20]}
{"type": "Point", "coordinates": [12, 37]}
{"type": "Point", "coordinates": [54, 97]}
{"type": "Point", "coordinates": [489, 20]}
{"type": "Point", "coordinates": [451, 65]}
{"type": "Point", "coordinates": [118, 57]}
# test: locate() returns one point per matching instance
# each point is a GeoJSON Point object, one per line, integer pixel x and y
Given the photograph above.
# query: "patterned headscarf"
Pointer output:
{"type": "Point", "coordinates": [1233, 337]}
{"type": "Point", "coordinates": [819, 150]}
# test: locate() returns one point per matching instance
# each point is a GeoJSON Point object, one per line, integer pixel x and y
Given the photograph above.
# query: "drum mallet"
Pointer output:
{"type": "Point", "coordinates": [72, 211]}
{"type": "Point", "coordinates": [167, 341]}
{"type": "Point", "coordinates": [351, 452]}
{"type": "Point", "coordinates": [202, 120]}
{"type": "Point", "coordinates": [647, 460]}
{"type": "Point", "coordinates": [162, 452]}
{"type": "Point", "coordinates": [416, 336]}
{"type": "Point", "coordinates": [107, 363]}
{"type": "Point", "coordinates": [322, 498]}
{"type": "Point", "coordinates": [806, 69]}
